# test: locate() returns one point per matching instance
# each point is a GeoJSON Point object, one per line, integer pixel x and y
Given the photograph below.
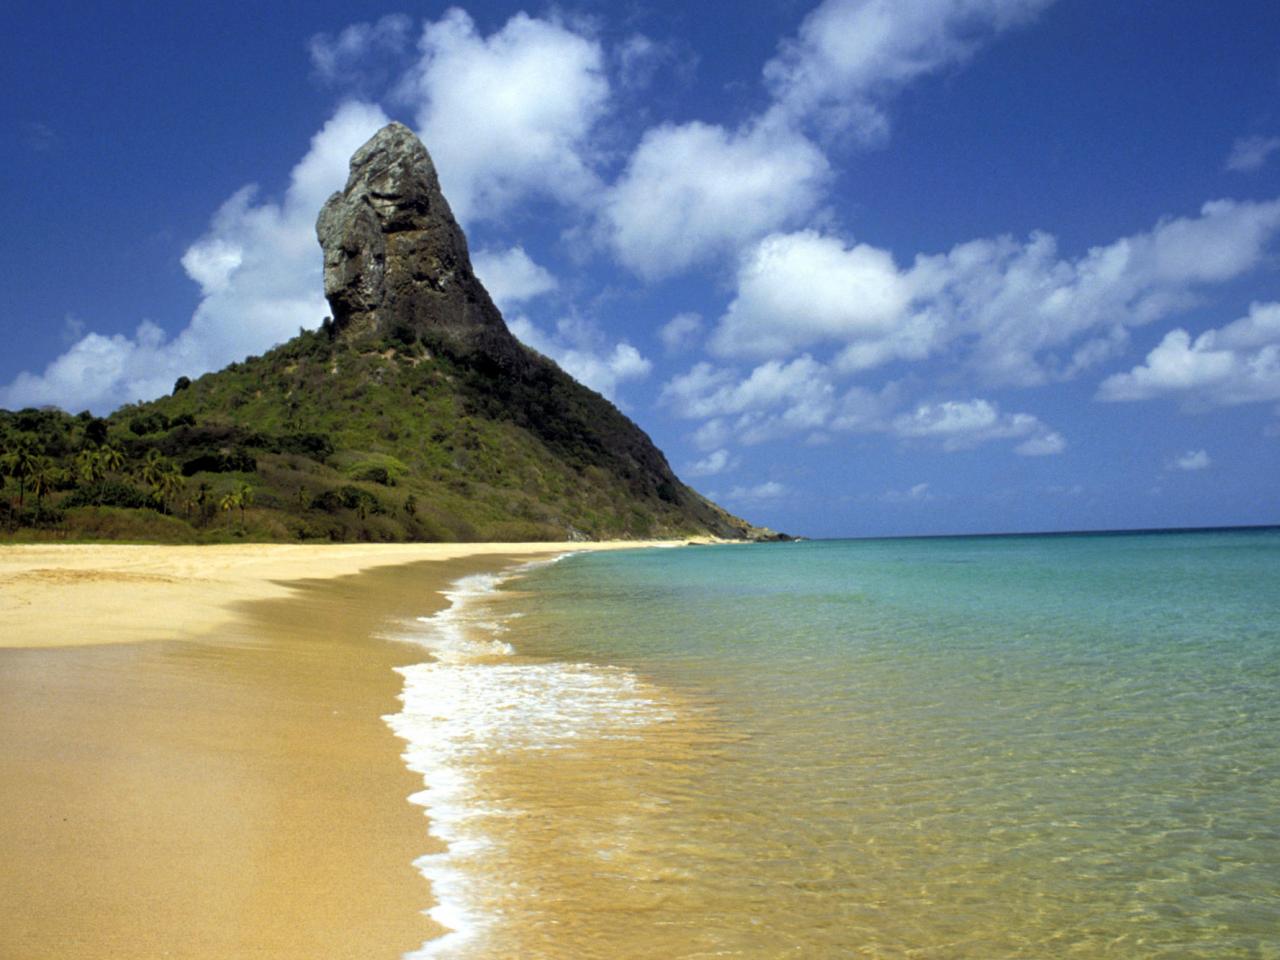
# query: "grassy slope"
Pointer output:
{"type": "Point", "coordinates": [386, 442]}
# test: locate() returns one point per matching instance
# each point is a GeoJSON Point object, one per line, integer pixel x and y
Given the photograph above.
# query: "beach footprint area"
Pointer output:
{"type": "Point", "coordinates": [231, 793]}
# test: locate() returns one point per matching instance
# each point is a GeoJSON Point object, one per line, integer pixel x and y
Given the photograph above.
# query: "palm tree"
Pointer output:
{"type": "Point", "coordinates": [112, 459]}
{"type": "Point", "coordinates": [230, 500]}
{"type": "Point", "coordinates": [43, 475]}
{"type": "Point", "coordinates": [89, 465]}
{"type": "Point", "coordinates": [152, 466]}
{"type": "Point", "coordinates": [241, 497]}
{"type": "Point", "coordinates": [171, 483]}
{"type": "Point", "coordinates": [244, 496]}
{"type": "Point", "coordinates": [202, 497]}
{"type": "Point", "coordinates": [161, 475]}
{"type": "Point", "coordinates": [18, 461]}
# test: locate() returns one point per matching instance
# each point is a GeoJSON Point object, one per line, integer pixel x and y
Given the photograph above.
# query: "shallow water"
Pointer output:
{"type": "Point", "coordinates": [970, 747]}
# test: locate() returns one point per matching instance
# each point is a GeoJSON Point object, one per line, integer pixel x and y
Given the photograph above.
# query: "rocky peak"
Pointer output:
{"type": "Point", "coordinates": [394, 257]}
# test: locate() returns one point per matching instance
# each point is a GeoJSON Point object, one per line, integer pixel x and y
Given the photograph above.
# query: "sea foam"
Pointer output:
{"type": "Point", "coordinates": [474, 701]}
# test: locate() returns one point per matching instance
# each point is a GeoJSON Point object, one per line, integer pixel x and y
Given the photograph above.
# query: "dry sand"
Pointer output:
{"type": "Point", "coordinates": [192, 756]}
{"type": "Point", "coordinates": [66, 595]}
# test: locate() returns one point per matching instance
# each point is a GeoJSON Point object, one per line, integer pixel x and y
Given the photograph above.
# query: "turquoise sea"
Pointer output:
{"type": "Point", "coordinates": [978, 747]}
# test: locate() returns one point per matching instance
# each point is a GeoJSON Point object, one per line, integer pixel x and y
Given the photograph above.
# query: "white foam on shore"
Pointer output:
{"type": "Point", "coordinates": [473, 702]}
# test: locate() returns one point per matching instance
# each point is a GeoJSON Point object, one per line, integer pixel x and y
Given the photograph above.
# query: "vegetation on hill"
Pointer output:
{"type": "Point", "coordinates": [324, 439]}
{"type": "Point", "coordinates": [412, 414]}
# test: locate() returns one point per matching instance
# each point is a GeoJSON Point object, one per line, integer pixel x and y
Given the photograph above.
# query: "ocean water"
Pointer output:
{"type": "Point", "coordinates": [1034, 746]}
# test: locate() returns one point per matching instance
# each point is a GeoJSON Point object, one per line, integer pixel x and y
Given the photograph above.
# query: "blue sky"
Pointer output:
{"type": "Point", "coordinates": [860, 268]}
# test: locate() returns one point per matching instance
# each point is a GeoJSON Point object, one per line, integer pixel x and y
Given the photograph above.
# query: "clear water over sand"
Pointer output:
{"type": "Point", "coordinates": [977, 747]}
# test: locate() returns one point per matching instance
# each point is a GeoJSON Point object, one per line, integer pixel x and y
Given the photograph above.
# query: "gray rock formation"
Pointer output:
{"type": "Point", "coordinates": [395, 256]}
{"type": "Point", "coordinates": [396, 269]}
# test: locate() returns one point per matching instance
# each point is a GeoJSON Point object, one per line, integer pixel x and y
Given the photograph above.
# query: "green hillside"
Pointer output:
{"type": "Point", "coordinates": [335, 442]}
{"type": "Point", "coordinates": [413, 414]}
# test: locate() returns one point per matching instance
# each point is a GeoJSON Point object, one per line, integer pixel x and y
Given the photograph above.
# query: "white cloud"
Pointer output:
{"type": "Point", "coordinates": [712, 434]}
{"type": "Point", "coordinates": [1044, 444]}
{"type": "Point", "coordinates": [1018, 305]}
{"type": "Point", "coordinates": [1251, 153]}
{"type": "Point", "coordinates": [259, 271]}
{"type": "Point", "coordinates": [774, 400]}
{"type": "Point", "coordinates": [358, 55]}
{"type": "Point", "coordinates": [211, 263]}
{"type": "Point", "coordinates": [863, 411]}
{"type": "Point", "coordinates": [1012, 312]}
{"type": "Point", "coordinates": [800, 385]}
{"type": "Point", "coordinates": [964, 424]}
{"type": "Point", "coordinates": [582, 352]}
{"type": "Point", "coordinates": [681, 332]}
{"type": "Point", "coordinates": [1192, 460]}
{"type": "Point", "coordinates": [639, 58]}
{"type": "Point", "coordinates": [511, 276]}
{"type": "Point", "coordinates": [1238, 363]}
{"type": "Point", "coordinates": [696, 191]}
{"type": "Point", "coordinates": [770, 490]}
{"type": "Point", "coordinates": [851, 54]}
{"type": "Point", "coordinates": [799, 289]}
{"type": "Point", "coordinates": [715, 462]}
{"type": "Point", "coordinates": [509, 115]}
{"type": "Point", "coordinates": [98, 372]}
{"type": "Point", "coordinates": [917, 494]}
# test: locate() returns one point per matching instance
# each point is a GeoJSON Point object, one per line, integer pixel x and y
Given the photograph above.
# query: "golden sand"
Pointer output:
{"type": "Point", "coordinates": [225, 788]}
{"type": "Point", "coordinates": [65, 595]}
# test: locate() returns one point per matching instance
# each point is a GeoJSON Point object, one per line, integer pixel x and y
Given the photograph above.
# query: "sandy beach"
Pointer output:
{"type": "Point", "coordinates": [192, 756]}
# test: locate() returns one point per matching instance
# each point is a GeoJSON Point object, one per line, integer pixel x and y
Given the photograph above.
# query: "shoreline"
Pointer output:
{"type": "Point", "coordinates": [220, 783]}
{"type": "Point", "coordinates": [87, 594]}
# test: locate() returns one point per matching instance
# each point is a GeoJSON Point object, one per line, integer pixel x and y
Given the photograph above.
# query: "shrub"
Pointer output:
{"type": "Point", "coordinates": [315, 446]}
{"type": "Point", "coordinates": [145, 423]}
{"type": "Point", "coordinates": [348, 498]}
{"type": "Point", "coordinates": [108, 493]}
{"type": "Point", "coordinates": [379, 475]}
{"type": "Point", "coordinates": [233, 461]}
{"type": "Point", "coordinates": [41, 515]}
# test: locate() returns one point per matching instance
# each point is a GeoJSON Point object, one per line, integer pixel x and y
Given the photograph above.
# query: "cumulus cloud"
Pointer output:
{"type": "Point", "coordinates": [770, 490]}
{"type": "Point", "coordinates": [639, 58]}
{"type": "Point", "coordinates": [712, 434]}
{"type": "Point", "coordinates": [1044, 443]}
{"type": "Point", "coordinates": [849, 55]}
{"type": "Point", "coordinates": [1014, 312]}
{"type": "Point", "coordinates": [965, 424]}
{"type": "Point", "coordinates": [717, 461]}
{"type": "Point", "coordinates": [1235, 364]}
{"type": "Point", "coordinates": [511, 276]}
{"type": "Point", "coordinates": [799, 289]}
{"type": "Point", "coordinates": [1192, 460]}
{"type": "Point", "coordinates": [362, 54]}
{"type": "Point", "coordinates": [681, 332]}
{"type": "Point", "coordinates": [259, 271]}
{"type": "Point", "coordinates": [1251, 153]}
{"type": "Point", "coordinates": [584, 353]}
{"type": "Point", "coordinates": [775, 399]}
{"type": "Point", "coordinates": [508, 115]}
{"type": "Point", "coordinates": [694, 191]}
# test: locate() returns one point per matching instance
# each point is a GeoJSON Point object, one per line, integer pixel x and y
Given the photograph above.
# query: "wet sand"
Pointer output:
{"type": "Point", "coordinates": [231, 792]}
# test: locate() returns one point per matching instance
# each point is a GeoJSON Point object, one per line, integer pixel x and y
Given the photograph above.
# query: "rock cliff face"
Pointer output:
{"type": "Point", "coordinates": [396, 267]}
{"type": "Point", "coordinates": [394, 257]}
